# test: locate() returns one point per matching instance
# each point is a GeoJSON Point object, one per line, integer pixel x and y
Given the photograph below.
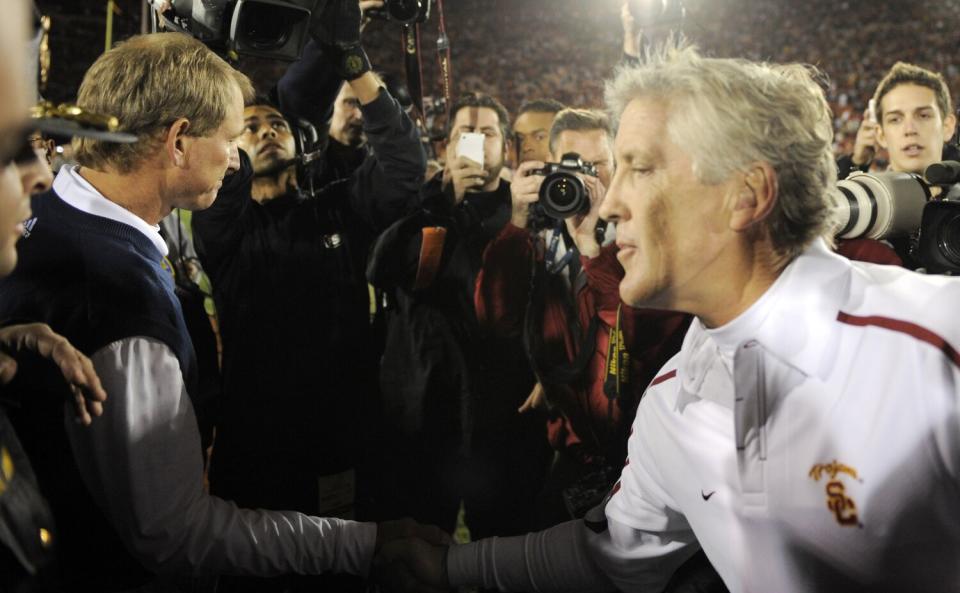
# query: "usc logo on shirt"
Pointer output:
{"type": "Point", "coordinates": [843, 507]}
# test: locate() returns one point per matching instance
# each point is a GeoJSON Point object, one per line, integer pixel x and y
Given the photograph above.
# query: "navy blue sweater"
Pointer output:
{"type": "Point", "coordinates": [95, 281]}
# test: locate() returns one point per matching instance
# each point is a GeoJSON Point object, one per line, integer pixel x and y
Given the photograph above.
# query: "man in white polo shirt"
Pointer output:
{"type": "Point", "coordinates": [807, 436]}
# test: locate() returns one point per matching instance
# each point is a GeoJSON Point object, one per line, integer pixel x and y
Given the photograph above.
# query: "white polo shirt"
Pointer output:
{"type": "Point", "coordinates": [823, 455]}
{"type": "Point", "coordinates": [830, 459]}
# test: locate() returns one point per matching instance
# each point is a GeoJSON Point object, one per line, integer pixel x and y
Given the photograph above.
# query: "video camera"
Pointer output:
{"type": "Point", "coordinates": [274, 29]}
{"type": "Point", "coordinates": [405, 12]}
{"type": "Point", "coordinates": [891, 205]}
{"type": "Point", "coordinates": [562, 193]}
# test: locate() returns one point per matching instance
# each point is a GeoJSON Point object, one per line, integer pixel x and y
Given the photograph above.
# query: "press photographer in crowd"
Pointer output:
{"type": "Point", "coordinates": [287, 267]}
{"type": "Point", "coordinates": [911, 116]}
{"type": "Point", "coordinates": [127, 492]}
{"type": "Point", "coordinates": [531, 129]}
{"type": "Point", "coordinates": [752, 443]}
{"type": "Point", "coordinates": [593, 357]}
{"type": "Point", "coordinates": [449, 395]}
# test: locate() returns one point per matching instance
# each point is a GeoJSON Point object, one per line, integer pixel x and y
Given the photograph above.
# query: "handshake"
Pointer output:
{"type": "Point", "coordinates": [410, 558]}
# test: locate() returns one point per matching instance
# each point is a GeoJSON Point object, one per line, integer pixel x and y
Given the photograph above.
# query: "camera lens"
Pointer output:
{"type": "Point", "coordinates": [404, 11]}
{"type": "Point", "coordinates": [563, 195]}
{"type": "Point", "coordinates": [948, 239]}
{"type": "Point", "coordinates": [881, 205]}
{"type": "Point", "coordinates": [265, 27]}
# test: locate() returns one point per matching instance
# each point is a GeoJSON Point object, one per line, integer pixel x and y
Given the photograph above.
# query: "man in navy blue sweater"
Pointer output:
{"type": "Point", "coordinates": [127, 493]}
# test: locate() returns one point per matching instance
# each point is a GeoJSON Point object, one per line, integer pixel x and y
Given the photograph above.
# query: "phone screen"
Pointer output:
{"type": "Point", "coordinates": [470, 145]}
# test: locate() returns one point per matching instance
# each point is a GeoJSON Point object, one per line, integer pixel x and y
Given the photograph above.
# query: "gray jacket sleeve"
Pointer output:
{"type": "Point", "coordinates": [141, 460]}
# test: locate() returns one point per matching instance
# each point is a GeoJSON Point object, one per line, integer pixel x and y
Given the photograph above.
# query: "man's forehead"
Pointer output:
{"type": "Point", "coordinates": [643, 129]}
{"type": "Point", "coordinates": [261, 112]}
{"type": "Point", "coordinates": [346, 93]}
{"type": "Point", "coordinates": [908, 96]}
{"type": "Point", "coordinates": [591, 145]}
{"type": "Point", "coordinates": [531, 121]}
{"type": "Point", "coordinates": [476, 117]}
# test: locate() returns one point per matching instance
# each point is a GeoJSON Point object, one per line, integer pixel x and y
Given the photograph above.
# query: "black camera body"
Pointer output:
{"type": "Point", "coordinates": [406, 12]}
{"type": "Point", "coordinates": [273, 29]}
{"type": "Point", "coordinates": [938, 246]}
{"type": "Point", "coordinates": [562, 193]}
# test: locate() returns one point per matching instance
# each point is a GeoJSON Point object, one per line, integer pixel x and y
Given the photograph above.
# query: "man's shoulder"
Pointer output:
{"type": "Point", "coordinates": [906, 302]}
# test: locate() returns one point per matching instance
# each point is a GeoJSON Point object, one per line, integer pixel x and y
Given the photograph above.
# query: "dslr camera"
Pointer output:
{"type": "Point", "coordinates": [562, 193]}
{"type": "Point", "coordinates": [405, 12]}
{"type": "Point", "coordinates": [273, 29]}
{"type": "Point", "coordinates": [893, 205]}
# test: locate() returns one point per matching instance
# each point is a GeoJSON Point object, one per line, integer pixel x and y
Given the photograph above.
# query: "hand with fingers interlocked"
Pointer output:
{"type": "Point", "coordinates": [88, 394]}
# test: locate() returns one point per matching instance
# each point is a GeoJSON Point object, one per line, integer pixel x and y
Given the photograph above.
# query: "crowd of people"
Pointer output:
{"type": "Point", "coordinates": [264, 331]}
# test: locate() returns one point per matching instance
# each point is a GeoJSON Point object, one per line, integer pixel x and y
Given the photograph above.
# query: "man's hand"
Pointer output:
{"type": "Point", "coordinates": [78, 371]}
{"type": "Point", "coordinates": [389, 531]}
{"type": "Point", "coordinates": [366, 5]}
{"type": "Point", "coordinates": [866, 144]}
{"type": "Point", "coordinates": [465, 174]}
{"type": "Point", "coordinates": [582, 226]}
{"type": "Point", "coordinates": [412, 566]}
{"type": "Point", "coordinates": [524, 191]}
{"type": "Point", "coordinates": [631, 35]}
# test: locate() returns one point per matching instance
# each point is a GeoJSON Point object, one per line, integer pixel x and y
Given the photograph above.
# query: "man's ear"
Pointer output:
{"type": "Point", "coordinates": [754, 196]}
{"type": "Point", "coordinates": [949, 127]}
{"type": "Point", "coordinates": [176, 142]}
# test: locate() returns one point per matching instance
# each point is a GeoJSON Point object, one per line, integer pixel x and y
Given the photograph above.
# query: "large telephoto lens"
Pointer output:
{"type": "Point", "coordinates": [881, 205]}
{"type": "Point", "coordinates": [564, 195]}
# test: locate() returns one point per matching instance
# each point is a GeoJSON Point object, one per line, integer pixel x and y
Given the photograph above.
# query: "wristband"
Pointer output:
{"type": "Point", "coordinates": [350, 63]}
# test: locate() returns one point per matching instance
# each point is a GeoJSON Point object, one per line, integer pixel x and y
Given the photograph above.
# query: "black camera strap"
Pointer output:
{"type": "Point", "coordinates": [555, 266]}
{"type": "Point", "coordinates": [413, 64]}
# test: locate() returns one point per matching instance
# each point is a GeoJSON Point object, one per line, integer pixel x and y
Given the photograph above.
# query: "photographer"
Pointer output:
{"type": "Point", "coordinates": [449, 394]}
{"type": "Point", "coordinates": [914, 119]}
{"type": "Point", "coordinates": [568, 312]}
{"type": "Point", "coordinates": [531, 129]}
{"type": "Point", "coordinates": [287, 269]}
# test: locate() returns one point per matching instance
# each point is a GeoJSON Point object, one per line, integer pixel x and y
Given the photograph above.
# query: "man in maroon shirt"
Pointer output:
{"type": "Point", "coordinates": [567, 320]}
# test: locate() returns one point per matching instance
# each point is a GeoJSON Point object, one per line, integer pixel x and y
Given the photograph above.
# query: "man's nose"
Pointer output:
{"type": "Point", "coordinates": [233, 165]}
{"type": "Point", "coordinates": [268, 132]}
{"type": "Point", "coordinates": [611, 206]}
{"type": "Point", "coordinates": [910, 126]}
{"type": "Point", "coordinates": [35, 176]}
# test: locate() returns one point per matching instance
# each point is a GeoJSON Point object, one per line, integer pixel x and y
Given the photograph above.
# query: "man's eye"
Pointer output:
{"type": "Point", "coordinates": [252, 128]}
{"type": "Point", "coordinates": [279, 125]}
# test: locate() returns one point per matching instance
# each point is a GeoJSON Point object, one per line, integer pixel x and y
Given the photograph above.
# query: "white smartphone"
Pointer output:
{"type": "Point", "coordinates": [470, 145]}
{"type": "Point", "coordinates": [871, 114]}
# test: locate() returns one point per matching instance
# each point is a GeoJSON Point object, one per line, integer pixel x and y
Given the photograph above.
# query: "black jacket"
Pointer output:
{"type": "Point", "coordinates": [293, 307]}
{"type": "Point", "coordinates": [439, 377]}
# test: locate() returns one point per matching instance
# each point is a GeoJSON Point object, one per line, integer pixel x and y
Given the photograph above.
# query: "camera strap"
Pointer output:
{"type": "Point", "coordinates": [443, 54]}
{"type": "Point", "coordinates": [431, 250]}
{"type": "Point", "coordinates": [413, 64]}
{"type": "Point", "coordinates": [618, 361]}
{"type": "Point", "coordinates": [554, 266]}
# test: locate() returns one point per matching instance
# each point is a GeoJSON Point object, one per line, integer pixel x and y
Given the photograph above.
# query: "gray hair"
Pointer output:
{"type": "Point", "coordinates": [728, 113]}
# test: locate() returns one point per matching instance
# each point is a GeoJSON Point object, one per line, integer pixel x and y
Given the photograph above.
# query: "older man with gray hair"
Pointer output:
{"type": "Point", "coordinates": [806, 436]}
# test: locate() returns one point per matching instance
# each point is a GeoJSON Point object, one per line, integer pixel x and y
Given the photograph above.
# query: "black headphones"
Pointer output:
{"type": "Point", "coordinates": [309, 149]}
